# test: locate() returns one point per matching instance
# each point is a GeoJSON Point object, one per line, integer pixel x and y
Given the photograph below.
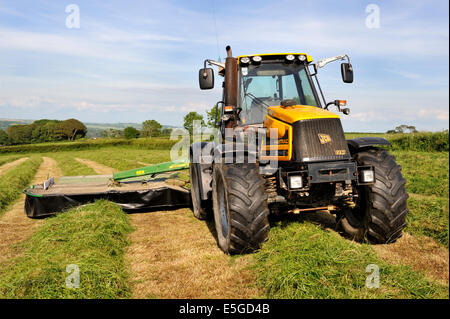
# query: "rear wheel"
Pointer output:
{"type": "Point", "coordinates": [240, 207]}
{"type": "Point", "coordinates": [380, 214]}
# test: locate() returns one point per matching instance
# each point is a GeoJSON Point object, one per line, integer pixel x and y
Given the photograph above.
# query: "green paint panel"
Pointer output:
{"type": "Point", "coordinates": [152, 169]}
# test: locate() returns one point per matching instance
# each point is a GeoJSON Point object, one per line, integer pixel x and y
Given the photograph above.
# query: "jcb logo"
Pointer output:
{"type": "Point", "coordinates": [324, 138]}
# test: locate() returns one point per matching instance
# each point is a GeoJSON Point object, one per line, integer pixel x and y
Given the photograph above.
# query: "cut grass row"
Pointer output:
{"type": "Point", "coordinates": [15, 180]}
{"type": "Point", "coordinates": [301, 260]}
{"type": "Point", "coordinates": [92, 237]}
{"type": "Point", "coordinates": [8, 158]}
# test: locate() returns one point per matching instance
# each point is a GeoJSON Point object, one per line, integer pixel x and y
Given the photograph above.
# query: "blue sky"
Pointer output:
{"type": "Point", "coordinates": [135, 60]}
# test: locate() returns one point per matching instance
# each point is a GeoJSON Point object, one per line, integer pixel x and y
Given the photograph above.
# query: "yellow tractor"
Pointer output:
{"type": "Point", "coordinates": [281, 150]}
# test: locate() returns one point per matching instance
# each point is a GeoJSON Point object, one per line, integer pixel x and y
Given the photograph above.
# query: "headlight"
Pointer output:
{"type": "Point", "coordinates": [257, 59]}
{"type": "Point", "coordinates": [296, 181]}
{"type": "Point", "coordinates": [245, 60]}
{"type": "Point", "coordinates": [302, 58]}
{"type": "Point", "coordinates": [367, 176]}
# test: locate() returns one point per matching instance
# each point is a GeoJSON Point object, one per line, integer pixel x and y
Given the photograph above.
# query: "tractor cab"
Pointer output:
{"type": "Point", "coordinates": [256, 84]}
{"type": "Point", "coordinates": [273, 80]}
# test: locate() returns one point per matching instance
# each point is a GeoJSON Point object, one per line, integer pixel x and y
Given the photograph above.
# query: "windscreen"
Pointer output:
{"type": "Point", "coordinates": [268, 84]}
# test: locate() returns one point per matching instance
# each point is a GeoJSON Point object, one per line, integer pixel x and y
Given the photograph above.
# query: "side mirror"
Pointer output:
{"type": "Point", "coordinates": [206, 78]}
{"type": "Point", "coordinates": [347, 72]}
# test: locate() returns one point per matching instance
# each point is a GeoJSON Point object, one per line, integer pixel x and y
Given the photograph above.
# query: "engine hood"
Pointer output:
{"type": "Point", "coordinates": [291, 114]}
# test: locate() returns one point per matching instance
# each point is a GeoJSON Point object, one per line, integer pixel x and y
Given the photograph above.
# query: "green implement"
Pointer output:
{"type": "Point", "coordinates": [152, 169]}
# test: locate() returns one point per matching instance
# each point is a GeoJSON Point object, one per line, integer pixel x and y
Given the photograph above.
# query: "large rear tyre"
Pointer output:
{"type": "Point", "coordinates": [240, 207]}
{"type": "Point", "coordinates": [380, 214]}
{"type": "Point", "coordinates": [200, 207]}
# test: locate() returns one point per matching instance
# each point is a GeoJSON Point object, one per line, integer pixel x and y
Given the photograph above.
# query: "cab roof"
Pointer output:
{"type": "Point", "coordinates": [308, 57]}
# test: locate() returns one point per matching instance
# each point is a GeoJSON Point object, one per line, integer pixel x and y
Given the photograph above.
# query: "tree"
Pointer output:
{"type": "Point", "coordinates": [50, 132]}
{"type": "Point", "coordinates": [151, 128]}
{"type": "Point", "coordinates": [404, 128]}
{"type": "Point", "coordinates": [189, 120]}
{"type": "Point", "coordinates": [213, 116]}
{"type": "Point", "coordinates": [412, 129]}
{"type": "Point", "coordinates": [45, 131]}
{"type": "Point", "coordinates": [72, 128]}
{"type": "Point", "coordinates": [19, 134]}
{"type": "Point", "coordinates": [4, 139]}
{"type": "Point", "coordinates": [131, 132]}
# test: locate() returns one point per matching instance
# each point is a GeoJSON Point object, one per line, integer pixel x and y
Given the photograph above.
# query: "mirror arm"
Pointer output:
{"type": "Point", "coordinates": [323, 62]}
{"type": "Point", "coordinates": [212, 62]}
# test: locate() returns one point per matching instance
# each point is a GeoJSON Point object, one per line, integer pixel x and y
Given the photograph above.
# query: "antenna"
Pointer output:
{"type": "Point", "coordinates": [215, 28]}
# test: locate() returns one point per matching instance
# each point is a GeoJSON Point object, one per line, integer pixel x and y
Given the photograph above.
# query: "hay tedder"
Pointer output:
{"type": "Point", "coordinates": [278, 149]}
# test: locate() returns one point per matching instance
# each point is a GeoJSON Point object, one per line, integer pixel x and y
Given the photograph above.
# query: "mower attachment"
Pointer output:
{"type": "Point", "coordinates": [135, 192]}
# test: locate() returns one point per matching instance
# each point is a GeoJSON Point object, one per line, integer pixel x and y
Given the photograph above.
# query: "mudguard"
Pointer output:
{"type": "Point", "coordinates": [363, 142]}
{"type": "Point", "coordinates": [235, 152]}
{"type": "Point", "coordinates": [201, 155]}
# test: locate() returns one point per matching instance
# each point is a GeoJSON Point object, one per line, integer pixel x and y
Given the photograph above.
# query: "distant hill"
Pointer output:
{"type": "Point", "coordinates": [4, 123]}
{"type": "Point", "coordinates": [93, 129]}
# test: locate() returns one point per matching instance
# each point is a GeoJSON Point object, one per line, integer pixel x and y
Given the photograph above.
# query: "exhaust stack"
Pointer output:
{"type": "Point", "coordinates": [230, 79]}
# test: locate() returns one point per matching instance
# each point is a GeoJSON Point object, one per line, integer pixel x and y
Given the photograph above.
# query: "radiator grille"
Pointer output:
{"type": "Point", "coordinates": [319, 140]}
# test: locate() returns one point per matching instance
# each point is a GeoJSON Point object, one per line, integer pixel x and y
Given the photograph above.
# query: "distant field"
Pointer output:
{"type": "Point", "coordinates": [140, 143]}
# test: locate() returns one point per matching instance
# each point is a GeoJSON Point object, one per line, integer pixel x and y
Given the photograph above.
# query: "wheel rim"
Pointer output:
{"type": "Point", "coordinates": [222, 208]}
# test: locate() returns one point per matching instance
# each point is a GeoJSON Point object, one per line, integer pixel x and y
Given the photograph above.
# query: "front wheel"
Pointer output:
{"type": "Point", "coordinates": [240, 207]}
{"type": "Point", "coordinates": [380, 214]}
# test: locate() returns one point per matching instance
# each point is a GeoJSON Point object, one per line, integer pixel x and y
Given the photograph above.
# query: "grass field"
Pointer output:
{"type": "Point", "coordinates": [92, 237]}
{"type": "Point", "coordinates": [302, 259]}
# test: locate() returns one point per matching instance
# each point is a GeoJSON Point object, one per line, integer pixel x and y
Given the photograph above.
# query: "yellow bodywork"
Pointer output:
{"type": "Point", "coordinates": [291, 114]}
{"type": "Point", "coordinates": [278, 122]}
